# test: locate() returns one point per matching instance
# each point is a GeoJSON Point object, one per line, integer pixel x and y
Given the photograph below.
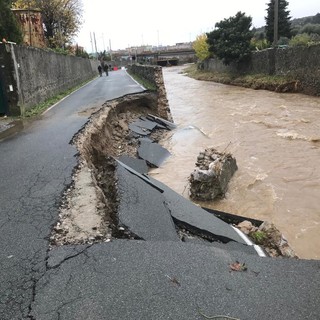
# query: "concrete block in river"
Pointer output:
{"type": "Point", "coordinates": [211, 177]}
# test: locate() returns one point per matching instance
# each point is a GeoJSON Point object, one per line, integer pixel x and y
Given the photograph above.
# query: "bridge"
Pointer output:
{"type": "Point", "coordinates": [168, 57]}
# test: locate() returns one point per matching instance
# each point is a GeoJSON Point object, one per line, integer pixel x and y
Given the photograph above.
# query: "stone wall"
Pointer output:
{"type": "Point", "coordinates": [153, 74]}
{"type": "Point", "coordinates": [37, 75]}
{"type": "Point", "coordinates": [301, 63]}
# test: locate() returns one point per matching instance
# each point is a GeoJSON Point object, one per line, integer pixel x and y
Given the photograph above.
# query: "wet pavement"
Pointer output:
{"type": "Point", "coordinates": [36, 166]}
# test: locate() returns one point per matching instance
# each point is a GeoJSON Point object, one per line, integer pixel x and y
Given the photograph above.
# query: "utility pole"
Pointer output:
{"type": "Point", "coordinates": [91, 41]}
{"type": "Point", "coordinates": [110, 49]}
{"type": "Point", "coordinates": [95, 43]}
{"type": "Point", "coordinates": [276, 23]}
{"type": "Point", "coordinates": [104, 46]}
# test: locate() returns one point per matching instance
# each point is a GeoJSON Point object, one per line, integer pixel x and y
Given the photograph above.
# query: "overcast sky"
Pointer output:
{"type": "Point", "coordinates": [127, 23]}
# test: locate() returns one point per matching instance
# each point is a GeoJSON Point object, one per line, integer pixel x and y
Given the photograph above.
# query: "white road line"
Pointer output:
{"type": "Point", "coordinates": [249, 242]}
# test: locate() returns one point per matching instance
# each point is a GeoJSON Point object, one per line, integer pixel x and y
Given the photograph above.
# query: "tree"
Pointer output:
{"type": "Point", "coordinates": [201, 47]}
{"type": "Point", "coordinates": [284, 24]}
{"type": "Point", "coordinates": [61, 18]}
{"type": "Point", "coordinates": [9, 28]}
{"type": "Point", "coordinates": [310, 29]}
{"type": "Point", "coordinates": [230, 40]}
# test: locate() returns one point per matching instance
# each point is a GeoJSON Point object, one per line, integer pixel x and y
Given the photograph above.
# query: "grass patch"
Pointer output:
{"type": "Point", "coordinates": [145, 83]}
{"type": "Point", "coordinates": [258, 236]}
{"type": "Point", "coordinates": [38, 109]}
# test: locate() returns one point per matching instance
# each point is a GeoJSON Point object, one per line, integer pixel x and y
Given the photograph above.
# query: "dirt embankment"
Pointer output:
{"type": "Point", "coordinates": [257, 81]}
{"type": "Point", "coordinates": [88, 210]}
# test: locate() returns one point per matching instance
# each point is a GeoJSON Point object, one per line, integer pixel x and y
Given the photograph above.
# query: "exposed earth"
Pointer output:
{"type": "Point", "coordinates": [88, 210]}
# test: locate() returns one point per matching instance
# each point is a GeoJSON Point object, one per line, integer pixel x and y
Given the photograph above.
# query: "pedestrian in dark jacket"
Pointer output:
{"type": "Point", "coordinates": [105, 69]}
{"type": "Point", "coordinates": [100, 70]}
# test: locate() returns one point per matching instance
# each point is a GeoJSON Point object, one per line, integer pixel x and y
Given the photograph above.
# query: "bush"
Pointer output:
{"type": "Point", "coordinates": [259, 44]}
{"type": "Point", "coordinates": [302, 39]}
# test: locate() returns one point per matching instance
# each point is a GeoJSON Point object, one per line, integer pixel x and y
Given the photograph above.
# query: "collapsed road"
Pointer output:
{"type": "Point", "coordinates": [117, 147]}
{"type": "Point", "coordinates": [148, 253]}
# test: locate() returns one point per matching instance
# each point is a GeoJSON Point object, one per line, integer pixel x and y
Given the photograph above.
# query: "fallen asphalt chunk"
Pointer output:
{"type": "Point", "coordinates": [145, 124]}
{"type": "Point", "coordinates": [138, 165]}
{"type": "Point", "coordinates": [153, 153]}
{"type": "Point", "coordinates": [158, 125]}
{"type": "Point", "coordinates": [139, 130]}
{"type": "Point", "coordinates": [136, 205]}
{"type": "Point", "coordinates": [169, 125]}
{"type": "Point", "coordinates": [141, 207]}
{"type": "Point", "coordinates": [195, 219]}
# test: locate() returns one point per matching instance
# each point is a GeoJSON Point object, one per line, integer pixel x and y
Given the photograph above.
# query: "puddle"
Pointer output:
{"type": "Point", "coordinates": [8, 128]}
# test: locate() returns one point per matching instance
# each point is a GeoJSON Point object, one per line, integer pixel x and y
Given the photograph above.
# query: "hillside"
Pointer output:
{"type": "Point", "coordinates": [297, 23]}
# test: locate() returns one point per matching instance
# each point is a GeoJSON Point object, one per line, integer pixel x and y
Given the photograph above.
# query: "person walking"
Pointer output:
{"type": "Point", "coordinates": [100, 70]}
{"type": "Point", "coordinates": [106, 69]}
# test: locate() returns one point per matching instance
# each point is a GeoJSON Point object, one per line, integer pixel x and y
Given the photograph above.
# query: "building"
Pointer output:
{"type": "Point", "coordinates": [31, 24]}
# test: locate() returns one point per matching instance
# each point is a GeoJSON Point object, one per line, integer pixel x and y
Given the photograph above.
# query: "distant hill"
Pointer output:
{"type": "Point", "coordinates": [300, 22]}
{"type": "Point", "coordinates": [297, 23]}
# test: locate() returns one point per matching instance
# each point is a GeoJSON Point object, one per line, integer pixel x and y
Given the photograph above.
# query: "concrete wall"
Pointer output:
{"type": "Point", "coordinates": [301, 63]}
{"type": "Point", "coordinates": [153, 74]}
{"type": "Point", "coordinates": [40, 74]}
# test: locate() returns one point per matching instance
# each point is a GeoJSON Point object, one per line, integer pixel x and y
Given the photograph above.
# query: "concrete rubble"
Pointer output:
{"type": "Point", "coordinates": [212, 174]}
{"type": "Point", "coordinates": [269, 237]}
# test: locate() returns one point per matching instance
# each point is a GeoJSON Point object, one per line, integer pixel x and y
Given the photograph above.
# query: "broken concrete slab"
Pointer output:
{"type": "Point", "coordinates": [191, 217]}
{"type": "Point", "coordinates": [153, 153]}
{"type": "Point", "coordinates": [211, 177]}
{"type": "Point", "coordinates": [141, 208]}
{"type": "Point", "coordinates": [138, 191]}
{"type": "Point", "coordinates": [158, 125]}
{"type": "Point", "coordinates": [145, 124]}
{"type": "Point", "coordinates": [169, 125]}
{"type": "Point", "coordinates": [138, 165]}
{"type": "Point", "coordinates": [139, 130]}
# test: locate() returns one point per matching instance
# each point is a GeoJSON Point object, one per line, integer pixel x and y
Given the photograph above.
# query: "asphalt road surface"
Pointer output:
{"type": "Point", "coordinates": [122, 279]}
{"type": "Point", "coordinates": [36, 165]}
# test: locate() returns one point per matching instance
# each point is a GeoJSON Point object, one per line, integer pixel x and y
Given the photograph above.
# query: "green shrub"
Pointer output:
{"type": "Point", "coordinates": [302, 39]}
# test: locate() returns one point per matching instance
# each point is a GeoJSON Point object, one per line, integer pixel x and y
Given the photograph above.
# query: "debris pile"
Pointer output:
{"type": "Point", "coordinates": [211, 177]}
{"type": "Point", "coordinates": [269, 237]}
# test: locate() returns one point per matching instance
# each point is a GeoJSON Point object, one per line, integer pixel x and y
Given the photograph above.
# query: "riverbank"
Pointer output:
{"type": "Point", "coordinates": [268, 133]}
{"type": "Point", "coordinates": [253, 81]}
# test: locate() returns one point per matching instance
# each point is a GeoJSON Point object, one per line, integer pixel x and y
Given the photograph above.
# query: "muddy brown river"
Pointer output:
{"type": "Point", "coordinates": [275, 139]}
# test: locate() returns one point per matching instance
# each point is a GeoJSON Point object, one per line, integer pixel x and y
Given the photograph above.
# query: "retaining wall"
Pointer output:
{"type": "Point", "coordinates": [37, 74]}
{"type": "Point", "coordinates": [301, 63]}
{"type": "Point", "coordinates": [153, 74]}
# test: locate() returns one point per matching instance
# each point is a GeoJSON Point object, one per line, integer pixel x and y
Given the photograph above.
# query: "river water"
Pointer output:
{"type": "Point", "coordinates": [275, 139]}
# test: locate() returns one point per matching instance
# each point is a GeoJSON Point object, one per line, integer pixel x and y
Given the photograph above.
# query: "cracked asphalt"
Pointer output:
{"type": "Point", "coordinates": [160, 278]}
{"type": "Point", "coordinates": [36, 166]}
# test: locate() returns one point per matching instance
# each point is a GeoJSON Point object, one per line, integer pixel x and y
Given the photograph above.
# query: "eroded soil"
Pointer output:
{"type": "Point", "coordinates": [89, 206]}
